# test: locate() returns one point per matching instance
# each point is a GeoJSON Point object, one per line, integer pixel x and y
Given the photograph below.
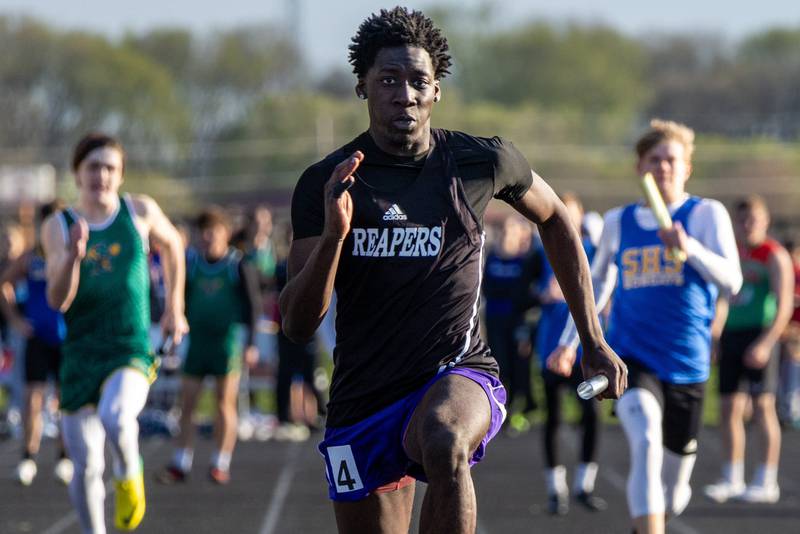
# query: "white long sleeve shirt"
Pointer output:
{"type": "Point", "coordinates": [711, 250]}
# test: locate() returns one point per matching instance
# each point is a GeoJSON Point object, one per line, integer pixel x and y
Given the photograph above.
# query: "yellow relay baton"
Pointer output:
{"type": "Point", "coordinates": [656, 203]}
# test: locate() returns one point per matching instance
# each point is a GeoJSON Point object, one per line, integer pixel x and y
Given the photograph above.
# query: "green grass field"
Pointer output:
{"type": "Point", "coordinates": [572, 410]}
{"type": "Point", "coordinates": [265, 403]}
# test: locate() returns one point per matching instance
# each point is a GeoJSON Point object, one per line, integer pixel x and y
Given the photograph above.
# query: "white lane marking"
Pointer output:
{"type": "Point", "coordinates": [281, 491]}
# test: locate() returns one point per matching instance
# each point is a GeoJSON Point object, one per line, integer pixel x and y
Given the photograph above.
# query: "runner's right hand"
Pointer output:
{"type": "Point", "coordinates": [22, 326]}
{"type": "Point", "coordinates": [339, 210]}
{"type": "Point", "coordinates": [251, 356]}
{"type": "Point", "coordinates": [757, 354]}
{"type": "Point", "coordinates": [78, 237]}
{"type": "Point", "coordinates": [561, 360]}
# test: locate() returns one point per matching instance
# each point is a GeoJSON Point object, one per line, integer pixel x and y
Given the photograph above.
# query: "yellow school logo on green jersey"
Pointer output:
{"type": "Point", "coordinates": [210, 286]}
{"type": "Point", "coordinates": [100, 257]}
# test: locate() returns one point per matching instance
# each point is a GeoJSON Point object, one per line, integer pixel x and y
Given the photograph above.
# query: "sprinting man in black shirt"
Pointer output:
{"type": "Point", "coordinates": [415, 393]}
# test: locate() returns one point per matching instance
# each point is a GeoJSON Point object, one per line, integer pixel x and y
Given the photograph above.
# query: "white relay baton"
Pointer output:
{"type": "Point", "coordinates": [592, 387]}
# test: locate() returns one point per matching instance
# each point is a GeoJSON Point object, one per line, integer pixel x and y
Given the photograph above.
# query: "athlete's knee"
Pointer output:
{"type": "Point", "coordinates": [641, 417]}
{"type": "Point", "coordinates": [117, 422]}
{"type": "Point", "coordinates": [445, 451]}
{"type": "Point", "coordinates": [110, 419]}
{"type": "Point", "coordinates": [764, 406]}
{"type": "Point", "coordinates": [733, 405]}
{"type": "Point", "coordinates": [553, 420]}
{"type": "Point", "coordinates": [94, 467]}
{"type": "Point", "coordinates": [589, 413]}
{"type": "Point", "coordinates": [88, 466]}
{"type": "Point", "coordinates": [226, 412]}
{"type": "Point", "coordinates": [645, 441]}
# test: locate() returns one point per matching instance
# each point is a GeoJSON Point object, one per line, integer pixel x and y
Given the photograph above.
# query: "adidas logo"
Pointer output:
{"type": "Point", "coordinates": [395, 214]}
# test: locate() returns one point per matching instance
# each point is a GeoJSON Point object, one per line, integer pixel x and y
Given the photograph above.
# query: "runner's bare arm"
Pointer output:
{"type": "Point", "coordinates": [251, 294]}
{"type": "Point", "coordinates": [305, 299]}
{"type": "Point", "coordinates": [173, 256]}
{"type": "Point", "coordinates": [564, 250]}
{"type": "Point", "coordinates": [781, 281]}
{"type": "Point", "coordinates": [63, 259]}
{"type": "Point", "coordinates": [313, 260]}
{"type": "Point", "coordinates": [16, 270]}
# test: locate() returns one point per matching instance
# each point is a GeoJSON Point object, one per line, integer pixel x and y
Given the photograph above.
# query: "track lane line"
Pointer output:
{"type": "Point", "coordinates": [282, 487]}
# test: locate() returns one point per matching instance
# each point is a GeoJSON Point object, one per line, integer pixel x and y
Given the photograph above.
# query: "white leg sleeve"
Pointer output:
{"type": "Point", "coordinates": [84, 439]}
{"type": "Point", "coordinates": [675, 474]}
{"type": "Point", "coordinates": [641, 417]}
{"type": "Point", "coordinates": [123, 397]}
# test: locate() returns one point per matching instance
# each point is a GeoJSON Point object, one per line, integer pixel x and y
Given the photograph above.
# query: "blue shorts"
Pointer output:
{"type": "Point", "coordinates": [369, 457]}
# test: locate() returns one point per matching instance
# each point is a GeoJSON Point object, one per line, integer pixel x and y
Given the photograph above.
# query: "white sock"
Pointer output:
{"type": "Point", "coordinates": [221, 460]}
{"type": "Point", "coordinates": [585, 476]}
{"type": "Point", "coordinates": [765, 475]}
{"type": "Point", "coordinates": [183, 459]}
{"type": "Point", "coordinates": [733, 472]}
{"type": "Point", "coordinates": [556, 480]}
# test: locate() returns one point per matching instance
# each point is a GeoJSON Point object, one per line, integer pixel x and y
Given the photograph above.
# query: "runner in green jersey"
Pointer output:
{"type": "Point", "coordinates": [97, 275]}
{"type": "Point", "coordinates": [748, 363]}
{"type": "Point", "coordinates": [221, 297]}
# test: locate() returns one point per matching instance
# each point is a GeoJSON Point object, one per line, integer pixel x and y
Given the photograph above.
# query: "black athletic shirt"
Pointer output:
{"type": "Point", "coordinates": [408, 278]}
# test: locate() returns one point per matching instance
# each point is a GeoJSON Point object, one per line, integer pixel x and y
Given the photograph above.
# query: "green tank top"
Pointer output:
{"type": "Point", "coordinates": [755, 306]}
{"type": "Point", "coordinates": [263, 259]}
{"type": "Point", "coordinates": [110, 316]}
{"type": "Point", "coordinates": [214, 302]}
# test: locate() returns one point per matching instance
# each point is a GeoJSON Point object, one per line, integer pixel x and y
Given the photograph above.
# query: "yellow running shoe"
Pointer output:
{"type": "Point", "coordinates": [130, 502]}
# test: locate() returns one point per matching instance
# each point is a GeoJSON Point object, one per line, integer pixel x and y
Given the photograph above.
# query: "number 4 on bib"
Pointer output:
{"type": "Point", "coordinates": [343, 469]}
{"type": "Point", "coordinates": [344, 478]}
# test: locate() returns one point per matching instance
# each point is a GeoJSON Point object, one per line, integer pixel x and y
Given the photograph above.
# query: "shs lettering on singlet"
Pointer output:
{"type": "Point", "coordinates": [662, 309]}
{"type": "Point", "coordinates": [407, 284]}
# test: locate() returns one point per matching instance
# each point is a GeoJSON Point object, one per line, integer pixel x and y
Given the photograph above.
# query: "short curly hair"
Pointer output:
{"type": "Point", "coordinates": [398, 27]}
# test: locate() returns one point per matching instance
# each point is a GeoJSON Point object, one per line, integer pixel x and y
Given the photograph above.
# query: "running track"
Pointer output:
{"type": "Point", "coordinates": [279, 488]}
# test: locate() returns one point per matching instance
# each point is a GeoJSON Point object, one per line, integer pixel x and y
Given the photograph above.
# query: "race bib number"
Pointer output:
{"type": "Point", "coordinates": [344, 470]}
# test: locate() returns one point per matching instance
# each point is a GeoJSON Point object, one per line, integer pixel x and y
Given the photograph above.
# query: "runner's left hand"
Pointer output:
{"type": "Point", "coordinates": [757, 355]}
{"type": "Point", "coordinates": [174, 324]}
{"type": "Point", "coordinates": [675, 237]}
{"type": "Point", "coordinates": [251, 356]}
{"type": "Point", "coordinates": [602, 360]}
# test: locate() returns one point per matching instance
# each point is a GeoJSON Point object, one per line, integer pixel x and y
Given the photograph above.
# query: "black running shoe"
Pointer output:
{"type": "Point", "coordinates": [557, 504]}
{"type": "Point", "coordinates": [591, 501]}
{"type": "Point", "coordinates": [171, 475]}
